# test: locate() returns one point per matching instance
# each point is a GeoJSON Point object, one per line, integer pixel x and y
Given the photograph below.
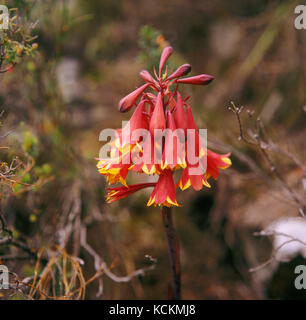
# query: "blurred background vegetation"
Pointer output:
{"type": "Point", "coordinates": [66, 74]}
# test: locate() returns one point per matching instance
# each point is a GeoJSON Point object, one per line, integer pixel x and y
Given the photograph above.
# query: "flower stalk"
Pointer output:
{"type": "Point", "coordinates": [173, 253]}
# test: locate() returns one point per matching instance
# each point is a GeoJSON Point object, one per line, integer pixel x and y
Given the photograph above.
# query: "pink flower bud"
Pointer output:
{"type": "Point", "coordinates": [128, 101]}
{"type": "Point", "coordinates": [201, 79]}
{"type": "Point", "coordinates": [180, 72]}
{"type": "Point", "coordinates": [146, 76]}
{"type": "Point", "coordinates": [164, 57]}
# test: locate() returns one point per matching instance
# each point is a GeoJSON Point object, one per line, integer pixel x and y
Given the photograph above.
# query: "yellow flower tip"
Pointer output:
{"type": "Point", "coordinates": [173, 203]}
{"type": "Point", "coordinates": [206, 184]}
{"type": "Point", "coordinates": [183, 163]}
{"type": "Point", "coordinates": [167, 203]}
{"type": "Point", "coordinates": [163, 165]}
{"type": "Point", "coordinates": [151, 201]}
{"type": "Point", "coordinates": [123, 182]}
{"type": "Point", "coordinates": [186, 186]}
{"type": "Point", "coordinates": [227, 161]}
{"type": "Point", "coordinates": [145, 169]}
{"type": "Point", "coordinates": [154, 170]}
{"type": "Point", "coordinates": [110, 196]}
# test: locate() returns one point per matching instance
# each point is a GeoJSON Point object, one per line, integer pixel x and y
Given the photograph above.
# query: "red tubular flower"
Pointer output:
{"type": "Point", "coordinates": [179, 114]}
{"type": "Point", "coordinates": [191, 125]}
{"type": "Point", "coordinates": [128, 101]}
{"type": "Point", "coordinates": [215, 162]}
{"type": "Point", "coordinates": [114, 194]}
{"type": "Point", "coordinates": [208, 162]}
{"type": "Point", "coordinates": [201, 79]}
{"type": "Point", "coordinates": [164, 191]}
{"type": "Point", "coordinates": [158, 116]}
{"type": "Point", "coordinates": [164, 57]}
{"type": "Point", "coordinates": [137, 121]}
{"type": "Point", "coordinates": [180, 71]}
{"type": "Point", "coordinates": [196, 181]}
{"type": "Point", "coordinates": [174, 150]}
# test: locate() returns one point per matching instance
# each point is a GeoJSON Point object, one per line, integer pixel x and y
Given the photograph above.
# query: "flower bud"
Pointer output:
{"type": "Point", "coordinates": [180, 72]}
{"type": "Point", "coordinates": [158, 120]}
{"type": "Point", "coordinates": [164, 57]}
{"type": "Point", "coordinates": [146, 76]}
{"type": "Point", "coordinates": [128, 101]}
{"type": "Point", "coordinates": [201, 79]}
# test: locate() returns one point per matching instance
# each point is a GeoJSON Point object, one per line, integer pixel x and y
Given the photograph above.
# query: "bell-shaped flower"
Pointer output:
{"type": "Point", "coordinates": [215, 162]}
{"type": "Point", "coordinates": [164, 191]}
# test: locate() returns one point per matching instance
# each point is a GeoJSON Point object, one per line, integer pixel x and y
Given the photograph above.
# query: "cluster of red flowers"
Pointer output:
{"type": "Point", "coordinates": [161, 110]}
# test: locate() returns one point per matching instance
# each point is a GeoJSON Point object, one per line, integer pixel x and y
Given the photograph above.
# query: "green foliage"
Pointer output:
{"type": "Point", "coordinates": [152, 42]}
{"type": "Point", "coordinates": [29, 143]}
{"type": "Point", "coordinates": [16, 42]}
{"type": "Point", "coordinates": [150, 48]}
{"type": "Point", "coordinates": [44, 171]}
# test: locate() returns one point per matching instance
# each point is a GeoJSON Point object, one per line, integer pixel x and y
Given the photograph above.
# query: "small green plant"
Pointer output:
{"type": "Point", "coordinates": [151, 43]}
{"type": "Point", "coordinates": [16, 42]}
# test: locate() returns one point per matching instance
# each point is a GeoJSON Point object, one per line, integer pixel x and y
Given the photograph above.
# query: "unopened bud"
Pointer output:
{"type": "Point", "coordinates": [201, 79]}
